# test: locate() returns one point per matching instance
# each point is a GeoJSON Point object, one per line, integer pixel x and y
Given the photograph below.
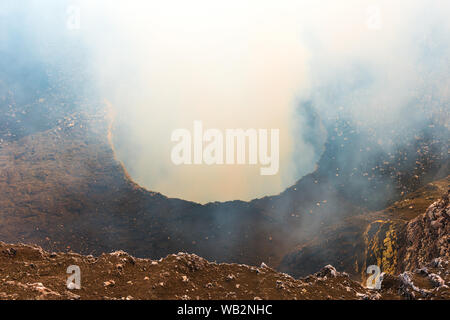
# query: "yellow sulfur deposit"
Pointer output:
{"type": "Point", "coordinates": [380, 238]}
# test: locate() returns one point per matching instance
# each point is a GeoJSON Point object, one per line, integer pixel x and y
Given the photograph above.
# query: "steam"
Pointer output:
{"type": "Point", "coordinates": [379, 77]}
{"type": "Point", "coordinates": [230, 65]}
{"type": "Point", "coordinates": [251, 64]}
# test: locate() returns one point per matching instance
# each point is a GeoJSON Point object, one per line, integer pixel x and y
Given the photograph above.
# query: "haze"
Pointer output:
{"type": "Point", "coordinates": [248, 64]}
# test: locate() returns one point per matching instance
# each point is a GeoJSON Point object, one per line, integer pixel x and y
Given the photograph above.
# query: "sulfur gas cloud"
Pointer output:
{"type": "Point", "coordinates": [253, 64]}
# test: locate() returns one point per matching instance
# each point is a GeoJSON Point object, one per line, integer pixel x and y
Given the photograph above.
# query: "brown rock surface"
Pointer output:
{"type": "Point", "coordinates": [28, 272]}
{"type": "Point", "coordinates": [428, 235]}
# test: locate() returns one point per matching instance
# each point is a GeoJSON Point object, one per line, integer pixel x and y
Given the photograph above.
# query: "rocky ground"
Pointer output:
{"type": "Point", "coordinates": [29, 272]}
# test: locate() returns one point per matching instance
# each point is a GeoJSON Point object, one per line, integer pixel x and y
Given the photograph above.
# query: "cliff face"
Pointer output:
{"type": "Point", "coordinates": [372, 238]}
{"type": "Point", "coordinates": [428, 236]}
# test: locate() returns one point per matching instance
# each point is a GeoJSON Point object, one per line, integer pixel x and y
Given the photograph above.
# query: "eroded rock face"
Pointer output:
{"type": "Point", "coordinates": [430, 282]}
{"type": "Point", "coordinates": [428, 235]}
